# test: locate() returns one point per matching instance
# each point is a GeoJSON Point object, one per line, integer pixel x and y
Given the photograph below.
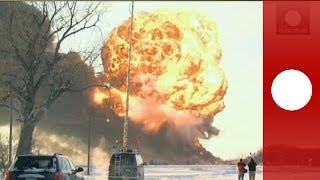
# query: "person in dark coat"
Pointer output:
{"type": "Point", "coordinates": [241, 169]}
{"type": "Point", "coordinates": [252, 169]}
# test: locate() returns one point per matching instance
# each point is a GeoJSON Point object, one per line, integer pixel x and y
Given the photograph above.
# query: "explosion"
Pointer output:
{"type": "Point", "coordinates": [175, 73]}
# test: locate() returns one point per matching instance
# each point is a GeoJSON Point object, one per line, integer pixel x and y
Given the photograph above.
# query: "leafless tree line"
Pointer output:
{"type": "Point", "coordinates": [32, 35]}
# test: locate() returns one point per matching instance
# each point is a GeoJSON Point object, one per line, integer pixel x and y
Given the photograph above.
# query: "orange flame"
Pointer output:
{"type": "Point", "coordinates": [99, 96]}
{"type": "Point", "coordinates": [175, 73]}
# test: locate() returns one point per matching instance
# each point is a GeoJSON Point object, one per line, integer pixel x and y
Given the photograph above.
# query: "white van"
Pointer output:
{"type": "Point", "coordinates": [126, 165]}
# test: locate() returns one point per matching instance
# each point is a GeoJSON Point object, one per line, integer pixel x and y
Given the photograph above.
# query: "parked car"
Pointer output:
{"type": "Point", "coordinates": [43, 167]}
{"type": "Point", "coordinates": [126, 165]}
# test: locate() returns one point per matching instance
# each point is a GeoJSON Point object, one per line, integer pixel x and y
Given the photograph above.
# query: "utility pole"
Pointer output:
{"type": "Point", "coordinates": [126, 118]}
{"type": "Point", "coordinates": [10, 131]}
{"type": "Point", "coordinates": [91, 115]}
{"type": "Point", "coordinates": [89, 141]}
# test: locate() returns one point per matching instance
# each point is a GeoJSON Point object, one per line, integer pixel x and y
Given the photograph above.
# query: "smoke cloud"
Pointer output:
{"type": "Point", "coordinates": [64, 128]}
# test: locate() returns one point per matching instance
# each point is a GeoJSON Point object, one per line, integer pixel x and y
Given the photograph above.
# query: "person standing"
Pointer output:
{"type": "Point", "coordinates": [252, 169]}
{"type": "Point", "coordinates": [241, 169]}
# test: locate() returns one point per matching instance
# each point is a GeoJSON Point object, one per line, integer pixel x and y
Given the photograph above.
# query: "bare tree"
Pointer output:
{"type": "Point", "coordinates": [4, 149]}
{"type": "Point", "coordinates": [4, 153]}
{"type": "Point", "coordinates": [32, 38]}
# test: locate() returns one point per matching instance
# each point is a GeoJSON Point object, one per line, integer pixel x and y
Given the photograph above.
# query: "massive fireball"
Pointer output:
{"type": "Point", "coordinates": [175, 73]}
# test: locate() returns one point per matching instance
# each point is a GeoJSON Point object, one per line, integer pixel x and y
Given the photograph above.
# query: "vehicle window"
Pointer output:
{"type": "Point", "coordinates": [40, 162]}
{"type": "Point", "coordinates": [62, 165]}
{"type": "Point", "coordinates": [127, 159]}
{"type": "Point", "coordinates": [139, 160]}
{"type": "Point", "coordinates": [73, 167]}
{"type": "Point", "coordinates": [112, 159]}
{"type": "Point", "coordinates": [67, 165]}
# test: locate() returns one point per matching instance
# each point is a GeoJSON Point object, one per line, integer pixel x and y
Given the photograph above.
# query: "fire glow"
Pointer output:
{"type": "Point", "coordinates": [175, 73]}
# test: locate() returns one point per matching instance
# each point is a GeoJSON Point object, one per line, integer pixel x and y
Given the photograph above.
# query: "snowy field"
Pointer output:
{"type": "Point", "coordinates": [217, 172]}
{"type": "Point", "coordinates": [188, 172]}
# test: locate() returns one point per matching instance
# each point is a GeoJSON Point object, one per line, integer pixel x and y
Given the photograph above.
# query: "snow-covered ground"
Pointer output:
{"type": "Point", "coordinates": [187, 172]}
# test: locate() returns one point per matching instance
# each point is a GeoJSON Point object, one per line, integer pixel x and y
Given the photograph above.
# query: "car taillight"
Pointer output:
{"type": "Point", "coordinates": [8, 175]}
{"type": "Point", "coordinates": [59, 176]}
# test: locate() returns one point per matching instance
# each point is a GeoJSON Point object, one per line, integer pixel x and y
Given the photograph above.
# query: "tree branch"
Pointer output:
{"type": "Point", "coordinates": [69, 30]}
{"type": "Point", "coordinates": [17, 52]}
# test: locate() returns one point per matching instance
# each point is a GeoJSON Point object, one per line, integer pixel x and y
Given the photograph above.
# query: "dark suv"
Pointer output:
{"type": "Point", "coordinates": [43, 167]}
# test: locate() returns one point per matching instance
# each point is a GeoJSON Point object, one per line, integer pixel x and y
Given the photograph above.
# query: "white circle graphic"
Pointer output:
{"type": "Point", "coordinates": [291, 90]}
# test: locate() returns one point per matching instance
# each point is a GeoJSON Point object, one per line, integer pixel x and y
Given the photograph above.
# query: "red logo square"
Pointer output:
{"type": "Point", "coordinates": [293, 18]}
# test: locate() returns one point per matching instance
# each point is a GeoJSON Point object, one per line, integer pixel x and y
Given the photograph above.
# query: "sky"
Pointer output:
{"type": "Point", "coordinates": [240, 25]}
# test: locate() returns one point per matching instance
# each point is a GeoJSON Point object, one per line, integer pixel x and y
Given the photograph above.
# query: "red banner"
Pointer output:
{"type": "Point", "coordinates": [291, 137]}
